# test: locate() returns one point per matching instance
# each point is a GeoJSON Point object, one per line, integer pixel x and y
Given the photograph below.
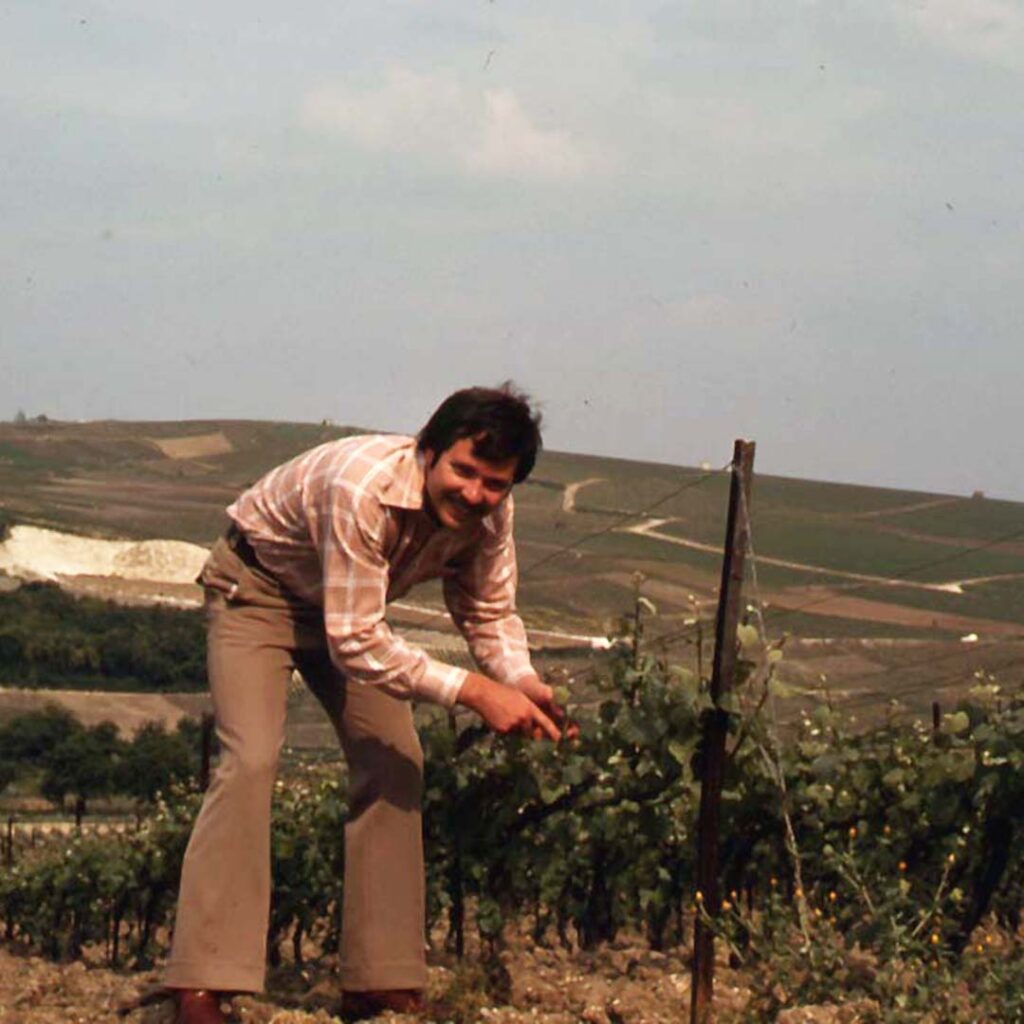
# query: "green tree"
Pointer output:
{"type": "Point", "coordinates": [83, 765]}
{"type": "Point", "coordinates": [30, 738]}
{"type": "Point", "coordinates": [8, 773]}
{"type": "Point", "coordinates": [153, 761]}
{"type": "Point", "coordinates": [52, 639]}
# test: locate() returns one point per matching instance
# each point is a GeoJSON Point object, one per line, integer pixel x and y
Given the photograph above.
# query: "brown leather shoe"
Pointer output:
{"type": "Point", "coordinates": [363, 1005]}
{"type": "Point", "coordinates": [198, 1006]}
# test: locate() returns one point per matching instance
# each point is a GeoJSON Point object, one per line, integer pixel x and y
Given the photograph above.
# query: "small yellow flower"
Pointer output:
{"type": "Point", "coordinates": [699, 897]}
{"type": "Point", "coordinates": [988, 940]}
{"type": "Point", "coordinates": [773, 881]}
{"type": "Point", "coordinates": [935, 940]}
{"type": "Point", "coordinates": [887, 831]}
{"type": "Point", "coordinates": [902, 865]}
{"type": "Point", "coordinates": [726, 905]}
{"type": "Point", "coordinates": [853, 832]}
{"type": "Point", "coordinates": [817, 913]}
{"type": "Point", "coordinates": [832, 897]}
{"type": "Point", "coordinates": [732, 894]}
{"type": "Point", "coordinates": [979, 948]}
{"type": "Point", "coordinates": [951, 858]}
{"type": "Point", "coordinates": [798, 893]}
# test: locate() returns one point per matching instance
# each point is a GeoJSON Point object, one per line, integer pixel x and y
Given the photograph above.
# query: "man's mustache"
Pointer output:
{"type": "Point", "coordinates": [465, 507]}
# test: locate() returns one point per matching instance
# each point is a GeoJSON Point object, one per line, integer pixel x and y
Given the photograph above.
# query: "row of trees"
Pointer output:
{"type": "Point", "coordinates": [72, 760]}
{"type": "Point", "coordinates": [50, 639]}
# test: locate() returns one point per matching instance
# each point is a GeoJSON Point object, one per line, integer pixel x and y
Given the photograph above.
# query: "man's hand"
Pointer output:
{"type": "Point", "coordinates": [508, 709]}
{"type": "Point", "coordinates": [544, 697]}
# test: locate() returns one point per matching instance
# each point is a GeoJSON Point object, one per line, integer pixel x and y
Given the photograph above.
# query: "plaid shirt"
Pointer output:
{"type": "Point", "coordinates": [344, 526]}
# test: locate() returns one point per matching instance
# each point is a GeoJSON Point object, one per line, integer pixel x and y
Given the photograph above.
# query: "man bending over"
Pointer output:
{"type": "Point", "coordinates": [315, 551]}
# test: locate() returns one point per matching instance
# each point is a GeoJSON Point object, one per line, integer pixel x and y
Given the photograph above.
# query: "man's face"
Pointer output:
{"type": "Point", "coordinates": [462, 488]}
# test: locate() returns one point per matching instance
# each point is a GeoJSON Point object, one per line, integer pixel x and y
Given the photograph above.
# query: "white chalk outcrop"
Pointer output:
{"type": "Point", "coordinates": [34, 552]}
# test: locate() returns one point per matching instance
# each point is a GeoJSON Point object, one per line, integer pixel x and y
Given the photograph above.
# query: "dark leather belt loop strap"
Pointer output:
{"type": "Point", "coordinates": [242, 548]}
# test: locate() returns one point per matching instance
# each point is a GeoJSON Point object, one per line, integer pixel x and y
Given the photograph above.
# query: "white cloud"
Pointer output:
{"type": "Point", "coordinates": [408, 111]}
{"type": "Point", "coordinates": [990, 29]}
{"type": "Point", "coordinates": [511, 144]}
{"type": "Point", "coordinates": [435, 117]}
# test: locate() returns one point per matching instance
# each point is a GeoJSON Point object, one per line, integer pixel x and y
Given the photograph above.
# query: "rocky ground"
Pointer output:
{"type": "Point", "coordinates": [617, 985]}
{"type": "Point", "coordinates": [620, 984]}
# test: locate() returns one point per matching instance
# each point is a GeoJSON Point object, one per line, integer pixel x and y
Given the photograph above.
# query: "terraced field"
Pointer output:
{"type": "Point", "coordinates": [832, 560]}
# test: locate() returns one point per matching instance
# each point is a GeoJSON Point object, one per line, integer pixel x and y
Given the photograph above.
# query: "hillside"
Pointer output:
{"type": "Point", "coordinates": [854, 564]}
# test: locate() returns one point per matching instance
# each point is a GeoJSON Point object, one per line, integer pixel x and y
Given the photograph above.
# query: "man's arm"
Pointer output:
{"type": "Point", "coordinates": [481, 599]}
{"type": "Point", "coordinates": [481, 596]}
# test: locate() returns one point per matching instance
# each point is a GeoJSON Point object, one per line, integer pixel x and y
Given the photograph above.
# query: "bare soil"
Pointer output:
{"type": "Point", "coordinates": [193, 447]}
{"type": "Point", "coordinates": [619, 984]}
{"type": "Point", "coordinates": [129, 711]}
{"type": "Point", "coordinates": [823, 601]}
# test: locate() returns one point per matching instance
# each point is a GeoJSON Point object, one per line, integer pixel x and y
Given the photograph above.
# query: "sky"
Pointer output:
{"type": "Point", "coordinates": [673, 224]}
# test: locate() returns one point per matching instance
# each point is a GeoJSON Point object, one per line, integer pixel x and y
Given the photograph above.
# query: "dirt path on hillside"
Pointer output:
{"type": "Point", "coordinates": [898, 510]}
{"type": "Point", "coordinates": [571, 490]}
{"type": "Point", "coordinates": [648, 528]}
{"type": "Point", "coordinates": [978, 581]}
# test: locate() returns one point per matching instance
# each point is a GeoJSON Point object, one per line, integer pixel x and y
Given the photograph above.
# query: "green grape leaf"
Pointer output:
{"type": "Point", "coordinates": [955, 723]}
{"type": "Point", "coordinates": [748, 637]}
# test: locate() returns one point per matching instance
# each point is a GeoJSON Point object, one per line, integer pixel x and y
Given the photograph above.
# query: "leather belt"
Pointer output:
{"type": "Point", "coordinates": [239, 544]}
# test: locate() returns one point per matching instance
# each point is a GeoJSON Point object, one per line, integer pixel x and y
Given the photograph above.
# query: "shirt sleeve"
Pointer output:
{"type": "Point", "coordinates": [348, 526]}
{"type": "Point", "coordinates": [481, 596]}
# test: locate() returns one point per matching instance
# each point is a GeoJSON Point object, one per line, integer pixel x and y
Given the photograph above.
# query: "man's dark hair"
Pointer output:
{"type": "Point", "coordinates": [499, 420]}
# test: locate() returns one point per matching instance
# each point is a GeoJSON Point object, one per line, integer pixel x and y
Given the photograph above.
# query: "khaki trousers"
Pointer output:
{"type": "Point", "coordinates": [257, 634]}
